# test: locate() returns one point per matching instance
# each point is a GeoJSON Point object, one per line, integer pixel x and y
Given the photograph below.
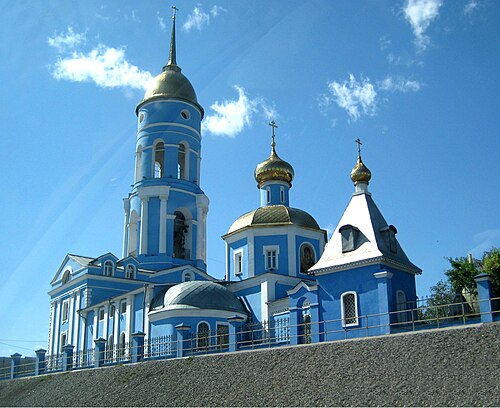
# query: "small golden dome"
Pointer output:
{"type": "Point", "coordinates": [274, 169]}
{"type": "Point", "coordinates": [360, 173]}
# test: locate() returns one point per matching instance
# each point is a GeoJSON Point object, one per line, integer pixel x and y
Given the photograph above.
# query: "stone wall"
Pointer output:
{"type": "Point", "coordinates": [454, 367]}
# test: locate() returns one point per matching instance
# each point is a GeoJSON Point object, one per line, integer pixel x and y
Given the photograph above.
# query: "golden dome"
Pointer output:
{"type": "Point", "coordinates": [274, 169]}
{"type": "Point", "coordinates": [360, 173]}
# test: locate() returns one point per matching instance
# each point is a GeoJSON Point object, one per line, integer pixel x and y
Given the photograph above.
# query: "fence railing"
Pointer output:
{"type": "Point", "coordinates": [280, 331]}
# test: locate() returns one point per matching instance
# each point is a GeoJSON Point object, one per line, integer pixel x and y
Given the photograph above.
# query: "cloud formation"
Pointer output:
{"type": "Point", "coordinates": [355, 97]}
{"type": "Point", "coordinates": [470, 6]}
{"type": "Point", "coordinates": [230, 117]}
{"type": "Point", "coordinates": [105, 66]}
{"type": "Point", "coordinates": [420, 14]}
{"type": "Point", "coordinates": [67, 41]}
{"type": "Point", "coordinates": [359, 97]}
{"type": "Point", "coordinates": [199, 18]}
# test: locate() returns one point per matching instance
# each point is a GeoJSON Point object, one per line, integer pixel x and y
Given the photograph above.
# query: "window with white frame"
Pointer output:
{"type": "Point", "coordinates": [203, 336]}
{"type": "Point", "coordinates": [64, 341]}
{"type": "Point", "coordinates": [130, 272]}
{"type": "Point", "coordinates": [349, 305]}
{"type": "Point", "coordinates": [238, 262]}
{"type": "Point", "coordinates": [187, 276]}
{"type": "Point", "coordinates": [271, 253]}
{"type": "Point", "coordinates": [101, 314]}
{"type": "Point", "coordinates": [65, 311]}
{"type": "Point", "coordinates": [108, 268]}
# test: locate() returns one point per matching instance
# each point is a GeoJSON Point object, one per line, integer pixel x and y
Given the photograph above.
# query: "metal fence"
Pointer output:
{"type": "Point", "coordinates": [274, 333]}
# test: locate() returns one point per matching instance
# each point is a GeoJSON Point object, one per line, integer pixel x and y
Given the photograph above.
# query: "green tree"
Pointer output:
{"type": "Point", "coordinates": [462, 272]}
{"type": "Point", "coordinates": [491, 266]}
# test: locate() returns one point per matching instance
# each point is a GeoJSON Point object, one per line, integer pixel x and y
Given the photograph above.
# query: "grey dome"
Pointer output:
{"type": "Point", "coordinates": [202, 295]}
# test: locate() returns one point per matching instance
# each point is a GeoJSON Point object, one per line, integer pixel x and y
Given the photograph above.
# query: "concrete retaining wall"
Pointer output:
{"type": "Point", "coordinates": [456, 367]}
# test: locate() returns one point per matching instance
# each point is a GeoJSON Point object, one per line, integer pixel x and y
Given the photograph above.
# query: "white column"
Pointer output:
{"type": "Point", "coordinates": [52, 326]}
{"type": "Point", "coordinates": [96, 323]}
{"type": "Point", "coordinates": [144, 225]}
{"type": "Point", "coordinates": [163, 224]}
{"type": "Point", "coordinates": [116, 322]}
{"type": "Point", "coordinates": [105, 326]}
{"type": "Point", "coordinates": [126, 208]}
{"type": "Point", "coordinates": [57, 332]}
{"type": "Point", "coordinates": [76, 330]}
{"type": "Point", "coordinates": [128, 321]}
{"type": "Point", "coordinates": [201, 230]}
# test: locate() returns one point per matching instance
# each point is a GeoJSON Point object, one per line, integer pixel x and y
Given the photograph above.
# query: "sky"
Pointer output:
{"type": "Point", "coordinates": [415, 80]}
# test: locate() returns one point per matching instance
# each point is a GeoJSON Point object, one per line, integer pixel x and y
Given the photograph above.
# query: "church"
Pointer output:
{"type": "Point", "coordinates": [282, 276]}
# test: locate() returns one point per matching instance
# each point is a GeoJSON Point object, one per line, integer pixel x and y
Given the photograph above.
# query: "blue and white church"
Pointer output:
{"type": "Point", "coordinates": [281, 273]}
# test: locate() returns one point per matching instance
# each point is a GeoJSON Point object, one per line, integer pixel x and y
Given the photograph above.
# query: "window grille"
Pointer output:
{"type": "Point", "coordinates": [349, 309]}
{"type": "Point", "coordinates": [271, 260]}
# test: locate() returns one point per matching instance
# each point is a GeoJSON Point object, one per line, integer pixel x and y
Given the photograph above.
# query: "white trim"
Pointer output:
{"type": "Point", "coordinates": [342, 311]}
{"type": "Point", "coordinates": [65, 305]}
{"type": "Point", "coordinates": [238, 260]}
{"type": "Point", "coordinates": [300, 285]}
{"type": "Point", "coordinates": [267, 250]}
{"type": "Point", "coordinates": [188, 273]}
{"type": "Point", "coordinates": [385, 274]}
{"type": "Point", "coordinates": [57, 328]}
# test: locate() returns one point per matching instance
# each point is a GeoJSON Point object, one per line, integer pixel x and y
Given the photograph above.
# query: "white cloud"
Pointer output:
{"type": "Point", "coordinates": [420, 14]}
{"type": "Point", "coordinates": [67, 41]}
{"type": "Point", "coordinates": [199, 18]}
{"type": "Point", "coordinates": [391, 84]}
{"type": "Point", "coordinates": [105, 66]}
{"type": "Point", "coordinates": [354, 97]}
{"type": "Point", "coordinates": [230, 117]}
{"type": "Point", "coordinates": [471, 6]}
{"type": "Point", "coordinates": [161, 22]}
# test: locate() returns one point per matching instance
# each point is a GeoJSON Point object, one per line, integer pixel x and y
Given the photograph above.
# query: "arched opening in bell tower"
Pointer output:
{"type": "Point", "coordinates": [181, 236]}
{"type": "Point", "coordinates": [159, 159]}
{"type": "Point", "coordinates": [182, 161]}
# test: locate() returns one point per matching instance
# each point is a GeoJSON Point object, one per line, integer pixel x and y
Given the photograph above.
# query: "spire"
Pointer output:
{"type": "Point", "coordinates": [172, 57]}
{"type": "Point", "coordinates": [360, 174]}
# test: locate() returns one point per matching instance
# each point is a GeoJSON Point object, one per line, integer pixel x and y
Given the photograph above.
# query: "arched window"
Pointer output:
{"type": "Point", "coordinates": [138, 162]}
{"type": "Point", "coordinates": [268, 195]}
{"type": "Point", "coordinates": [159, 159]}
{"type": "Point", "coordinates": [130, 272]}
{"type": "Point", "coordinates": [108, 268]}
{"type": "Point", "coordinates": [307, 257]}
{"type": "Point", "coordinates": [180, 234]}
{"type": "Point", "coordinates": [282, 194]}
{"type": "Point", "coordinates": [110, 348]}
{"type": "Point", "coordinates": [181, 162]}
{"type": "Point", "coordinates": [187, 276]}
{"type": "Point", "coordinates": [203, 336]}
{"type": "Point", "coordinates": [349, 304]}
{"type": "Point", "coordinates": [401, 306]}
{"type": "Point", "coordinates": [122, 346]}
{"type": "Point", "coordinates": [66, 277]}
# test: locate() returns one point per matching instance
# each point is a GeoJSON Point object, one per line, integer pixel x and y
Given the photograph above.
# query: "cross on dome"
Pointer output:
{"type": "Point", "coordinates": [273, 125]}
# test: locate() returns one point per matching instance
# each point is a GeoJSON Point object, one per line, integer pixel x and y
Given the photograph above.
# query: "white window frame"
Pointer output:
{"type": "Point", "coordinates": [267, 250]}
{"type": "Point", "coordinates": [187, 276]}
{"type": "Point", "coordinates": [356, 317]}
{"type": "Point", "coordinates": [238, 262]}
{"type": "Point", "coordinates": [65, 342]}
{"type": "Point", "coordinates": [65, 311]}
{"type": "Point", "coordinates": [106, 263]}
{"type": "Point", "coordinates": [132, 268]}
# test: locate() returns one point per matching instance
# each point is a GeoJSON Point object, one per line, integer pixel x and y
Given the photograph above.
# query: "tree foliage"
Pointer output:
{"type": "Point", "coordinates": [491, 266]}
{"type": "Point", "coordinates": [462, 272]}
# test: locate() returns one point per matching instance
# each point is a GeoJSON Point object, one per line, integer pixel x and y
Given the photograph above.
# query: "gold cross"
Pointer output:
{"type": "Point", "coordinates": [174, 11]}
{"type": "Point", "coordinates": [273, 125]}
{"type": "Point", "coordinates": [359, 146]}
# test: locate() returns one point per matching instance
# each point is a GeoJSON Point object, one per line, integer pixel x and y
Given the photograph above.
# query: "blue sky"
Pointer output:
{"type": "Point", "coordinates": [416, 80]}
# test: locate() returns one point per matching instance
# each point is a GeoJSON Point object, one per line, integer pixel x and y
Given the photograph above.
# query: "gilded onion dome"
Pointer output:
{"type": "Point", "coordinates": [360, 173]}
{"type": "Point", "coordinates": [171, 83]}
{"type": "Point", "coordinates": [274, 168]}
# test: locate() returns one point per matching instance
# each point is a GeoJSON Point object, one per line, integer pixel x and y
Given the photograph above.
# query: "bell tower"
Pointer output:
{"type": "Point", "coordinates": [165, 212]}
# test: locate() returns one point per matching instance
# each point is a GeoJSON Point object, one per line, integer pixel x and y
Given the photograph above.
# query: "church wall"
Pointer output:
{"type": "Point", "coordinates": [253, 298]}
{"type": "Point", "coordinates": [259, 257]}
{"type": "Point", "coordinates": [89, 332]}
{"type": "Point", "coordinates": [240, 245]}
{"type": "Point", "coordinates": [280, 290]}
{"type": "Point", "coordinates": [333, 285]}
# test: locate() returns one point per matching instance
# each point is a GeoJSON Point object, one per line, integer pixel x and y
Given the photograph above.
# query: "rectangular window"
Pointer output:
{"type": "Point", "coordinates": [238, 263]}
{"type": "Point", "coordinates": [112, 311]}
{"type": "Point", "coordinates": [282, 195]}
{"type": "Point", "coordinates": [101, 314]}
{"type": "Point", "coordinates": [65, 309]}
{"type": "Point", "coordinates": [271, 260]}
{"type": "Point", "coordinates": [124, 307]}
{"type": "Point", "coordinates": [222, 336]}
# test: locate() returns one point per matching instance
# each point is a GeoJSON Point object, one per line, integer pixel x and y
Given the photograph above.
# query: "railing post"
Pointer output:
{"type": "Point", "coordinates": [484, 295]}
{"type": "Point", "coordinates": [137, 346]}
{"type": "Point", "coordinates": [315, 329]}
{"type": "Point", "coordinates": [99, 355]}
{"type": "Point", "coordinates": [40, 361]}
{"type": "Point", "coordinates": [182, 331]}
{"type": "Point", "coordinates": [68, 357]}
{"type": "Point", "coordinates": [234, 325]}
{"type": "Point", "coordinates": [14, 364]}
